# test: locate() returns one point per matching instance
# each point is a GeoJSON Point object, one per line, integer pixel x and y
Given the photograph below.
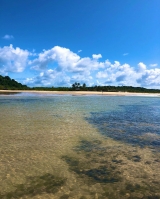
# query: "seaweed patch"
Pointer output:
{"type": "Point", "coordinates": [134, 124]}
{"type": "Point", "coordinates": [109, 168]}
{"type": "Point", "coordinates": [35, 185]}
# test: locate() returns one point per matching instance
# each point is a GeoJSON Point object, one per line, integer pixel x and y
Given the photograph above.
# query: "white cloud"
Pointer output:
{"type": "Point", "coordinates": [66, 60]}
{"type": "Point", "coordinates": [13, 59]}
{"type": "Point", "coordinates": [125, 54]}
{"type": "Point", "coordinates": [49, 78]}
{"type": "Point", "coordinates": [63, 61]}
{"type": "Point", "coordinates": [151, 78]}
{"type": "Point", "coordinates": [8, 37]}
{"type": "Point", "coordinates": [98, 56]}
{"type": "Point", "coordinates": [117, 74]}
{"type": "Point", "coordinates": [60, 66]}
{"type": "Point", "coordinates": [63, 56]}
{"type": "Point", "coordinates": [79, 51]}
{"type": "Point", "coordinates": [90, 70]}
{"type": "Point", "coordinates": [142, 67]}
{"type": "Point", "coordinates": [101, 74]}
{"type": "Point", "coordinates": [115, 65]}
{"type": "Point", "coordinates": [107, 63]}
{"type": "Point", "coordinates": [153, 65]}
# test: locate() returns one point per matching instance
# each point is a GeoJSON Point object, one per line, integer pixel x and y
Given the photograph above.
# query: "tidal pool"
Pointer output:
{"type": "Point", "coordinates": [79, 147]}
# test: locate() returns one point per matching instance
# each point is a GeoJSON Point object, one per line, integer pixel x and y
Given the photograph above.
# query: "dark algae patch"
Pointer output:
{"type": "Point", "coordinates": [133, 124]}
{"type": "Point", "coordinates": [36, 185]}
{"type": "Point", "coordinates": [116, 170]}
{"type": "Point", "coordinates": [65, 196]}
{"type": "Point", "coordinates": [92, 168]}
{"type": "Point", "coordinates": [136, 158]}
{"type": "Point", "coordinates": [88, 146]}
{"type": "Point", "coordinates": [102, 174]}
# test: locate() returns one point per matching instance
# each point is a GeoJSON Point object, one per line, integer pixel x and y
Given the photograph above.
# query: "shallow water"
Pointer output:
{"type": "Point", "coordinates": [79, 146]}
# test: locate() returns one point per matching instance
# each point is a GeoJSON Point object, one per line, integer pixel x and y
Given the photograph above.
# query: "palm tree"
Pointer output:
{"type": "Point", "coordinates": [76, 86]}
{"type": "Point", "coordinates": [84, 85]}
{"type": "Point", "coordinates": [73, 86]}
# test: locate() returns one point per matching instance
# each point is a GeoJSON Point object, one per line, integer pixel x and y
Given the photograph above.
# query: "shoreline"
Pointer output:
{"type": "Point", "coordinates": [81, 93]}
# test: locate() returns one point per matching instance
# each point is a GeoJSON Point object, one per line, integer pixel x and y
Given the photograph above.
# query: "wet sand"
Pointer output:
{"type": "Point", "coordinates": [81, 93]}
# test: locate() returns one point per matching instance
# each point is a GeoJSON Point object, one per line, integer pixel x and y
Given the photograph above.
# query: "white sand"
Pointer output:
{"type": "Point", "coordinates": [82, 93]}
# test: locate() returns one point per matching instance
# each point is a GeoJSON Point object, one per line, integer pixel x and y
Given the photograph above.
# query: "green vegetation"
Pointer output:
{"type": "Point", "coordinates": [6, 83]}
{"type": "Point", "coordinates": [78, 87]}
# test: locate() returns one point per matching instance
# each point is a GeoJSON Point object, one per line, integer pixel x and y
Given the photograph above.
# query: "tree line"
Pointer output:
{"type": "Point", "coordinates": [6, 83]}
{"type": "Point", "coordinates": [82, 87]}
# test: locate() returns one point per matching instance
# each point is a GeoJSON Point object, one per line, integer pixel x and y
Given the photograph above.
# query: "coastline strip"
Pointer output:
{"type": "Point", "coordinates": [82, 93]}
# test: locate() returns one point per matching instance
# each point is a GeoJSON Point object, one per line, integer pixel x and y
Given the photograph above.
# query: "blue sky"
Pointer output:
{"type": "Point", "coordinates": [58, 42]}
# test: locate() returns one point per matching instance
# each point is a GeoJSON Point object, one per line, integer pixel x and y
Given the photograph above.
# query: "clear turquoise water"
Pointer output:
{"type": "Point", "coordinates": [96, 146]}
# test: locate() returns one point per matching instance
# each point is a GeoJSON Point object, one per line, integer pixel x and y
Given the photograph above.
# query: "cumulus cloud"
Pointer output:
{"type": "Point", "coordinates": [63, 56]}
{"type": "Point", "coordinates": [60, 66]}
{"type": "Point", "coordinates": [117, 74]}
{"type": "Point", "coordinates": [153, 65]}
{"type": "Point", "coordinates": [142, 67]}
{"type": "Point", "coordinates": [151, 78]}
{"type": "Point", "coordinates": [13, 59]}
{"type": "Point", "coordinates": [66, 60]}
{"type": "Point", "coordinates": [49, 78]}
{"type": "Point", "coordinates": [8, 37]}
{"type": "Point", "coordinates": [97, 56]}
{"type": "Point", "coordinates": [70, 67]}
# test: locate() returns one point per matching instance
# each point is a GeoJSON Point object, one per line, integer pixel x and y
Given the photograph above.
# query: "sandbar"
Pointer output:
{"type": "Point", "coordinates": [80, 93]}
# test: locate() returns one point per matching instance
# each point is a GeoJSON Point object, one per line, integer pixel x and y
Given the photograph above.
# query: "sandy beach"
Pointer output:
{"type": "Point", "coordinates": [81, 93]}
